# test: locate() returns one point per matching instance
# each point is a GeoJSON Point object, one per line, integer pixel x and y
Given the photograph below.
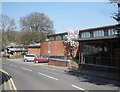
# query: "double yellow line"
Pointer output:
{"type": "Point", "coordinates": [10, 81]}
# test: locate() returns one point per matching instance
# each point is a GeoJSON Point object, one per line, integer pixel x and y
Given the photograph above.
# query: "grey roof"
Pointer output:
{"type": "Point", "coordinates": [17, 49]}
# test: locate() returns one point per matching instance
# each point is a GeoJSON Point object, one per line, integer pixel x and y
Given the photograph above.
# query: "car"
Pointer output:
{"type": "Point", "coordinates": [61, 58]}
{"type": "Point", "coordinates": [38, 59]}
{"type": "Point", "coordinates": [29, 57]}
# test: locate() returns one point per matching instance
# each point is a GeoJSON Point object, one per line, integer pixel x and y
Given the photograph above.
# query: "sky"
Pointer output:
{"type": "Point", "coordinates": [65, 15]}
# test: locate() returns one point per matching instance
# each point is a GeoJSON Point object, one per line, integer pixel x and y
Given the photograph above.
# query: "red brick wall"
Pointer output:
{"type": "Point", "coordinates": [58, 63]}
{"type": "Point", "coordinates": [44, 48]}
{"type": "Point", "coordinates": [56, 48]}
{"type": "Point", "coordinates": [34, 51]}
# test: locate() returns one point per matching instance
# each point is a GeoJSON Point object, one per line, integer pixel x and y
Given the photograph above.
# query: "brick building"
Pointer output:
{"type": "Point", "coordinates": [98, 47]}
{"type": "Point", "coordinates": [34, 49]}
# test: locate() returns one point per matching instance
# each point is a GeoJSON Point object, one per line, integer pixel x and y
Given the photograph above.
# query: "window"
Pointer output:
{"type": "Point", "coordinates": [105, 32]}
{"type": "Point", "coordinates": [64, 37]}
{"type": "Point", "coordinates": [58, 38]}
{"type": "Point", "coordinates": [85, 35]}
{"type": "Point", "coordinates": [98, 33]}
{"type": "Point", "coordinates": [51, 38]}
{"type": "Point", "coordinates": [112, 32]}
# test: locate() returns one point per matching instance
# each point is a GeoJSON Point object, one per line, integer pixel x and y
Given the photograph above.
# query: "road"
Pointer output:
{"type": "Point", "coordinates": [27, 76]}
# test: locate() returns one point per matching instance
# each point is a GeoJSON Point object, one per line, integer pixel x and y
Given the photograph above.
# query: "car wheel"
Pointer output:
{"type": "Point", "coordinates": [25, 60]}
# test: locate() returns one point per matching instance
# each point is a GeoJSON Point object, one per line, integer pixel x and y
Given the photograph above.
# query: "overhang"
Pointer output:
{"type": "Point", "coordinates": [96, 38]}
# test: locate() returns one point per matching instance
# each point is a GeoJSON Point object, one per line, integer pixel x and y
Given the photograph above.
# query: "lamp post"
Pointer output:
{"type": "Point", "coordinates": [48, 40]}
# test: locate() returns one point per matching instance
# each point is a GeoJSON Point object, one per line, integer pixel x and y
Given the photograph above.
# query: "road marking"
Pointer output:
{"type": "Point", "coordinates": [13, 65]}
{"type": "Point", "coordinates": [48, 76]}
{"type": "Point", "coordinates": [25, 69]}
{"type": "Point", "coordinates": [78, 87]}
{"type": "Point", "coordinates": [13, 85]}
{"type": "Point", "coordinates": [10, 81]}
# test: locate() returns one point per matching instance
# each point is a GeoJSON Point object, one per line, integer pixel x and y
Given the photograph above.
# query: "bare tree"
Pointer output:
{"type": "Point", "coordinates": [117, 15]}
{"type": "Point", "coordinates": [37, 22]}
{"type": "Point", "coordinates": [7, 25]}
{"type": "Point", "coordinates": [35, 26]}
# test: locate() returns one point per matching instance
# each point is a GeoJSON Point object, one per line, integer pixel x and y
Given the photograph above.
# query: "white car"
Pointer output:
{"type": "Point", "coordinates": [29, 57]}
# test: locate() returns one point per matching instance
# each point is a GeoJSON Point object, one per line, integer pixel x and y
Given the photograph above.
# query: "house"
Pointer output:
{"type": "Point", "coordinates": [15, 50]}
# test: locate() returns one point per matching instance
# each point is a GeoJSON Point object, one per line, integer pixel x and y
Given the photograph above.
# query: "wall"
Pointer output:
{"type": "Point", "coordinates": [34, 51]}
{"type": "Point", "coordinates": [58, 63]}
{"type": "Point", "coordinates": [44, 48]}
{"type": "Point", "coordinates": [55, 47]}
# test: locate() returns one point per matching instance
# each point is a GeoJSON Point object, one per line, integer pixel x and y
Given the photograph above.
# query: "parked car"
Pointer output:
{"type": "Point", "coordinates": [62, 58]}
{"type": "Point", "coordinates": [29, 57]}
{"type": "Point", "coordinates": [41, 59]}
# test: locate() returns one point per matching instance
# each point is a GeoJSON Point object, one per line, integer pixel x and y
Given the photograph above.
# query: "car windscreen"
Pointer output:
{"type": "Point", "coordinates": [40, 57]}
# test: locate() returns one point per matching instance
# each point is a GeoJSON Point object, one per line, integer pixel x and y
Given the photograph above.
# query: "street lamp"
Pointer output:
{"type": "Point", "coordinates": [48, 40]}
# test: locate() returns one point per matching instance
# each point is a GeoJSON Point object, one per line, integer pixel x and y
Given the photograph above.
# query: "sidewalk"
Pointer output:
{"type": "Point", "coordinates": [100, 74]}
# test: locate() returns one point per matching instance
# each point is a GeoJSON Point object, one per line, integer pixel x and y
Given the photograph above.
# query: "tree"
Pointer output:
{"type": "Point", "coordinates": [28, 37]}
{"type": "Point", "coordinates": [117, 15]}
{"type": "Point", "coordinates": [37, 22]}
{"type": "Point", "coordinates": [70, 45]}
{"type": "Point", "coordinates": [7, 26]}
{"type": "Point", "coordinates": [35, 26]}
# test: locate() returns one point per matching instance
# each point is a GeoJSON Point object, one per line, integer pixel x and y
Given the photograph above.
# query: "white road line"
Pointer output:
{"type": "Point", "coordinates": [12, 86]}
{"type": "Point", "coordinates": [48, 76]}
{"type": "Point", "coordinates": [25, 69]}
{"type": "Point", "coordinates": [14, 65]}
{"type": "Point", "coordinates": [78, 87]}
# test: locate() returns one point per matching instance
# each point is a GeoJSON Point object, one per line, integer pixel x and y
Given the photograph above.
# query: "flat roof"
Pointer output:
{"type": "Point", "coordinates": [96, 38]}
{"type": "Point", "coordinates": [89, 29]}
